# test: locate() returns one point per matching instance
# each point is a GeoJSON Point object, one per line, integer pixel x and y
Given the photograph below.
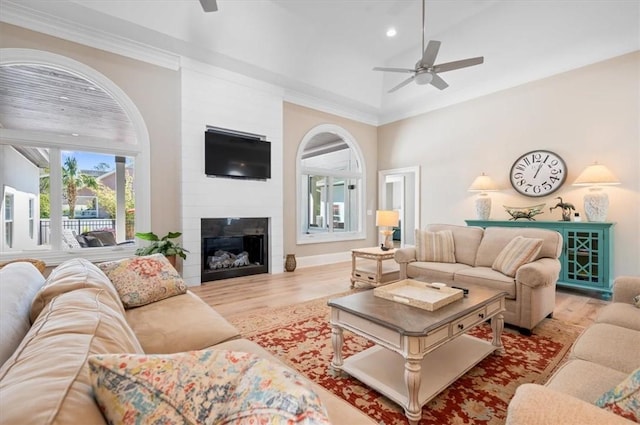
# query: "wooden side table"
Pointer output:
{"type": "Point", "coordinates": [375, 274]}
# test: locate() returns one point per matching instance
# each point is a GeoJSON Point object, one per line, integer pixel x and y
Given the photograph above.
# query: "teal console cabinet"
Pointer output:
{"type": "Point", "coordinates": [587, 254]}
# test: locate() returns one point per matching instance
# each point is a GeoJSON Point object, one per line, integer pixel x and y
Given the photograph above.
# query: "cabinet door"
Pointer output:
{"type": "Point", "coordinates": [585, 258]}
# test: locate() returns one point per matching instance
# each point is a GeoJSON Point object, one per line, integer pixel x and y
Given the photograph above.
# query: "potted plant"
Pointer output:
{"type": "Point", "coordinates": [162, 245]}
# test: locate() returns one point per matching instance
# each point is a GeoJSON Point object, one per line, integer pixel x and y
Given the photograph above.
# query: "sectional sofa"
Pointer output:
{"type": "Point", "coordinates": [530, 290]}
{"type": "Point", "coordinates": [603, 357]}
{"type": "Point", "coordinates": [50, 329]}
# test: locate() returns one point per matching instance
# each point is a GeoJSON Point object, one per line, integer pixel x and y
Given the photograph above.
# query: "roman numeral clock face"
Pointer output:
{"type": "Point", "coordinates": [538, 173]}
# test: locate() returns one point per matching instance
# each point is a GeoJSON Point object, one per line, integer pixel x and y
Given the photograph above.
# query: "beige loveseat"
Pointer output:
{"type": "Point", "coordinates": [44, 377]}
{"type": "Point", "coordinates": [601, 358]}
{"type": "Point", "coordinates": [531, 293]}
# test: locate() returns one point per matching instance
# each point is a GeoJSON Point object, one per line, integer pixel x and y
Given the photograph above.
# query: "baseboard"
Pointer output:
{"type": "Point", "coordinates": [320, 260]}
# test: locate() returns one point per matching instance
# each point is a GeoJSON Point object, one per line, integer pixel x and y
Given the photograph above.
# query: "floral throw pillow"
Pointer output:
{"type": "Point", "coordinates": [202, 387]}
{"type": "Point", "coordinates": [143, 280]}
{"type": "Point", "coordinates": [636, 301]}
{"type": "Point", "coordinates": [519, 251]}
{"type": "Point", "coordinates": [624, 399]}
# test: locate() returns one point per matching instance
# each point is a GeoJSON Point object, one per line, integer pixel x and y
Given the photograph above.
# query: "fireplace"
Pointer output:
{"type": "Point", "coordinates": [233, 247]}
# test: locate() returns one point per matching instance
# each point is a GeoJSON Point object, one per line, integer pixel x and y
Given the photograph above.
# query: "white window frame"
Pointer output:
{"type": "Point", "coordinates": [7, 218]}
{"type": "Point", "coordinates": [302, 237]}
{"type": "Point", "coordinates": [57, 143]}
{"type": "Point", "coordinates": [32, 217]}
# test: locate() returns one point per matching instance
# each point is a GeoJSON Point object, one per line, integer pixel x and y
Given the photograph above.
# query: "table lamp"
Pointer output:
{"type": "Point", "coordinates": [387, 220]}
{"type": "Point", "coordinates": [596, 201]}
{"type": "Point", "coordinates": [483, 184]}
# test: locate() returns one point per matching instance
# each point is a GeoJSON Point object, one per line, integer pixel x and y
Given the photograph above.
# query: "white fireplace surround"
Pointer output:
{"type": "Point", "coordinates": [218, 98]}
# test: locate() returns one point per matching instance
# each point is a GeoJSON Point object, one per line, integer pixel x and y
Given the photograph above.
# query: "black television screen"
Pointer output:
{"type": "Point", "coordinates": [236, 156]}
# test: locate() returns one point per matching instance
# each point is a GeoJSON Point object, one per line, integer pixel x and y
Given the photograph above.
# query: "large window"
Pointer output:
{"type": "Point", "coordinates": [331, 186]}
{"type": "Point", "coordinates": [74, 165]}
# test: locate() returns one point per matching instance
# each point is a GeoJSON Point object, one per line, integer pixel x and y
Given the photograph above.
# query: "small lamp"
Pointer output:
{"type": "Point", "coordinates": [388, 220]}
{"type": "Point", "coordinates": [596, 201]}
{"type": "Point", "coordinates": [483, 184]}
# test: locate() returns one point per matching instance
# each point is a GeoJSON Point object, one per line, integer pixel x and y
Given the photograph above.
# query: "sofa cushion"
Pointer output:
{"type": "Point", "coordinates": [209, 386]}
{"type": "Point", "coordinates": [487, 278]}
{"type": "Point", "coordinates": [143, 280]}
{"type": "Point", "coordinates": [435, 246]}
{"type": "Point", "coordinates": [19, 283]}
{"type": "Point", "coordinates": [624, 398]}
{"type": "Point", "coordinates": [73, 274]}
{"type": "Point", "coordinates": [518, 252]}
{"type": "Point", "coordinates": [585, 380]}
{"type": "Point", "coordinates": [466, 240]}
{"type": "Point", "coordinates": [496, 238]}
{"type": "Point", "coordinates": [47, 380]}
{"type": "Point", "coordinates": [434, 272]}
{"type": "Point", "coordinates": [609, 345]}
{"type": "Point", "coordinates": [620, 314]}
{"type": "Point", "coordinates": [198, 325]}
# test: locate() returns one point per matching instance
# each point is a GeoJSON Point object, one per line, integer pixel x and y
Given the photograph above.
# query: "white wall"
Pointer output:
{"type": "Point", "coordinates": [585, 115]}
{"type": "Point", "coordinates": [211, 96]}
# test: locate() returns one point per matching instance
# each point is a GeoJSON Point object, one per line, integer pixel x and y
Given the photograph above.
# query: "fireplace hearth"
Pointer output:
{"type": "Point", "coordinates": [233, 247]}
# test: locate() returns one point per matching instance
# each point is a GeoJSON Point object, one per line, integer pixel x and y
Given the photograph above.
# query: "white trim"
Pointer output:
{"type": "Point", "coordinates": [331, 107]}
{"type": "Point", "coordinates": [23, 16]}
{"type": "Point", "coordinates": [141, 150]}
{"type": "Point", "coordinates": [333, 236]}
{"type": "Point", "coordinates": [323, 259]}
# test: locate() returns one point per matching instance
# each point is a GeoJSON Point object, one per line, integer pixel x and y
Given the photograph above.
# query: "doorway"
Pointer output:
{"type": "Point", "coordinates": [399, 189]}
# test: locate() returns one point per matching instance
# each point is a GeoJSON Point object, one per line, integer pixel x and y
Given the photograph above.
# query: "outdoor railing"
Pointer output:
{"type": "Point", "coordinates": [80, 226]}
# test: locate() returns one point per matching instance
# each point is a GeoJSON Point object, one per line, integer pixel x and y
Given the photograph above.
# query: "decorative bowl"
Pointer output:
{"type": "Point", "coordinates": [524, 212]}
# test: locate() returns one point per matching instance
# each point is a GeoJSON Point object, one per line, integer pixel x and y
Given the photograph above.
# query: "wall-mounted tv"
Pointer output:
{"type": "Point", "coordinates": [236, 155]}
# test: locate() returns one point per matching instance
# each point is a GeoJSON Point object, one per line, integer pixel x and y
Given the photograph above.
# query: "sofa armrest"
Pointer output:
{"type": "Point", "coordinates": [542, 272]}
{"type": "Point", "coordinates": [625, 288]}
{"type": "Point", "coordinates": [405, 255]}
{"type": "Point", "coordinates": [535, 404]}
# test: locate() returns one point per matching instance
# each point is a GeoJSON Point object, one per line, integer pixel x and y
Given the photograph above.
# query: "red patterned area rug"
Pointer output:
{"type": "Point", "coordinates": [301, 336]}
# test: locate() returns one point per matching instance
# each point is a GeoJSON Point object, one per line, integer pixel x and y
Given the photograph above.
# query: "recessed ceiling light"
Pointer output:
{"type": "Point", "coordinates": [64, 98]}
{"type": "Point", "coordinates": [75, 134]}
{"type": "Point", "coordinates": [391, 32]}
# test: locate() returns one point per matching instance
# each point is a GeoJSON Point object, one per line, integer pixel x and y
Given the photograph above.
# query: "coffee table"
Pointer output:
{"type": "Point", "coordinates": [417, 353]}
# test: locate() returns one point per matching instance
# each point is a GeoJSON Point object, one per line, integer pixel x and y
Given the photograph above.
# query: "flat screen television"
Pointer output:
{"type": "Point", "coordinates": [236, 156]}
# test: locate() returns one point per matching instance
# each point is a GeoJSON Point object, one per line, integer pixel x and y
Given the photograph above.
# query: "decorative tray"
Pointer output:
{"type": "Point", "coordinates": [426, 296]}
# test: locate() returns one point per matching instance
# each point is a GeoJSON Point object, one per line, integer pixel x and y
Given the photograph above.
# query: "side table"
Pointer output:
{"type": "Point", "coordinates": [380, 272]}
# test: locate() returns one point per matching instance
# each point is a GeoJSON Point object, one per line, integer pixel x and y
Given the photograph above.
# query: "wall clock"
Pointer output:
{"type": "Point", "coordinates": [538, 173]}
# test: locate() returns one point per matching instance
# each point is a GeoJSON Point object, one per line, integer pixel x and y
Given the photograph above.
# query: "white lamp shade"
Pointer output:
{"type": "Point", "coordinates": [483, 183]}
{"type": "Point", "coordinates": [387, 218]}
{"type": "Point", "coordinates": [596, 175]}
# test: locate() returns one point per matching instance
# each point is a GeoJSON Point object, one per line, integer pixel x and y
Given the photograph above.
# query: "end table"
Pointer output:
{"type": "Point", "coordinates": [375, 274]}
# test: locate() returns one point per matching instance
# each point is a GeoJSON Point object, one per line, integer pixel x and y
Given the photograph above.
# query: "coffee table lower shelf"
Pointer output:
{"type": "Point", "coordinates": [439, 368]}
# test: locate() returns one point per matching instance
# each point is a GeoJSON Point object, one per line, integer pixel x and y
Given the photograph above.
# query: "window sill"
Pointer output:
{"type": "Point", "coordinates": [313, 238]}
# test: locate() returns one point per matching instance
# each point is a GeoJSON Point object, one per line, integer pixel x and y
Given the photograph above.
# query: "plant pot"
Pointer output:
{"type": "Point", "coordinates": [290, 263]}
{"type": "Point", "coordinates": [172, 260]}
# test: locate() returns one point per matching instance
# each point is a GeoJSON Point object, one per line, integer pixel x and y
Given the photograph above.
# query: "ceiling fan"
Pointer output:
{"type": "Point", "coordinates": [209, 5]}
{"type": "Point", "coordinates": [425, 71]}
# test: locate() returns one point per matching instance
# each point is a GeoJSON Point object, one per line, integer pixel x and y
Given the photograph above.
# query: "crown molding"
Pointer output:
{"type": "Point", "coordinates": [330, 107]}
{"type": "Point", "coordinates": [23, 16]}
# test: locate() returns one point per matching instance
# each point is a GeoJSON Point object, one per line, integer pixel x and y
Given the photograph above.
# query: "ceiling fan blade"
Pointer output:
{"type": "Point", "coordinates": [450, 66]}
{"type": "Point", "coordinates": [438, 82]}
{"type": "Point", "coordinates": [430, 53]}
{"type": "Point", "coordinates": [209, 5]}
{"type": "Point", "coordinates": [377, 68]}
{"type": "Point", "coordinates": [402, 84]}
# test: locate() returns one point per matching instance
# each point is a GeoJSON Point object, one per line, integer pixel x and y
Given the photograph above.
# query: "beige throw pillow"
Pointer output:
{"type": "Point", "coordinates": [518, 252]}
{"type": "Point", "coordinates": [435, 246]}
{"type": "Point", "coordinates": [143, 280]}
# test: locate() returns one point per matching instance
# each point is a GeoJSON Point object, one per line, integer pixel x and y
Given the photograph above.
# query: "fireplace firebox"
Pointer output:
{"type": "Point", "coordinates": [233, 247]}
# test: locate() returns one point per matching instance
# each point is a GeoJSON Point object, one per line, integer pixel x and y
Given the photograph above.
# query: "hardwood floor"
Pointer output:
{"type": "Point", "coordinates": [243, 294]}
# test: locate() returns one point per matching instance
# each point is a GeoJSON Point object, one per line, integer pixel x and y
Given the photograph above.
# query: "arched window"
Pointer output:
{"type": "Point", "coordinates": [331, 186]}
{"type": "Point", "coordinates": [74, 153]}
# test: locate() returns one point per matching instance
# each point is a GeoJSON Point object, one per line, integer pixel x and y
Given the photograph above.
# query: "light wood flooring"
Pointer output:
{"type": "Point", "coordinates": [244, 294]}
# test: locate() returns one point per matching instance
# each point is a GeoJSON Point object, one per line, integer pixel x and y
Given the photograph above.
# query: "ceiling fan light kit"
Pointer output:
{"type": "Point", "coordinates": [425, 71]}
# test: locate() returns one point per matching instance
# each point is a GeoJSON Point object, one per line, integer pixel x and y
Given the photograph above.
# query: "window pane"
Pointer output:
{"type": "Point", "coordinates": [98, 205]}
{"type": "Point", "coordinates": [24, 176]}
{"type": "Point", "coordinates": [317, 214]}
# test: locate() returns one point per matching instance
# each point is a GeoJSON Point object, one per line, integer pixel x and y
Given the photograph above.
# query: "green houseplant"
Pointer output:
{"type": "Point", "coordinates": [162, 245]}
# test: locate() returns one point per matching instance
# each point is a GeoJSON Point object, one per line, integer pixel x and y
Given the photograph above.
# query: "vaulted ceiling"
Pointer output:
{"type": "Point", "coordinates": [325, 49]}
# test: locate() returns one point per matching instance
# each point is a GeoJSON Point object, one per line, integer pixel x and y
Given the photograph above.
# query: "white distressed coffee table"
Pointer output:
{"type": "Point", "coordinates": [417, 353]}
